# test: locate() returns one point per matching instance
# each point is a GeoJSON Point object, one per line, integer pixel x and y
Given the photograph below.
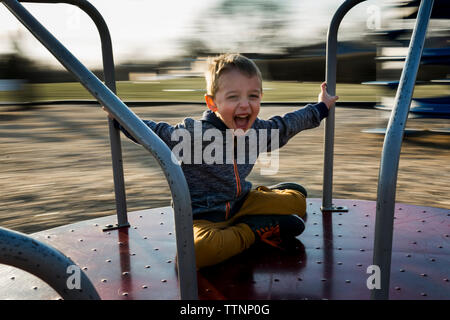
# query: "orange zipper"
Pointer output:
{"type": "Point", "coordinates": [238, 181]}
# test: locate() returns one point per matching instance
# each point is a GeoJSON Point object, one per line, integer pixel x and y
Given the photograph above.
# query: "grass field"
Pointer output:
{"type": "Point", "coordinates": [193, 89]}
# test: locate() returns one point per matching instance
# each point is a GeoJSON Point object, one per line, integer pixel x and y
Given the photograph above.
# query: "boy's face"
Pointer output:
{"type": "Point", "coordinates": [237, 101]}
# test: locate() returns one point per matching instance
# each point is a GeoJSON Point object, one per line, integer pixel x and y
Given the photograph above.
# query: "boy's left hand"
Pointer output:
{"type": "Point", "coordinates": [325, 97]}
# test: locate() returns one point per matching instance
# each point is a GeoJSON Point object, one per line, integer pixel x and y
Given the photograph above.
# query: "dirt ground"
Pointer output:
{"type": "Point", "coordinates": [55, 163]}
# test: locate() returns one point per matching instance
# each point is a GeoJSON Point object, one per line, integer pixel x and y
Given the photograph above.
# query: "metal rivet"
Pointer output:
{"type": "Point", "coordinates": [144, 287]}
{"type": "Point", "coordinates": [362, 250]}
{"type": "Point", "coordinates": [440, 247]}
{"type": "Point", "coordinates": [162, 212]}
{"type": "Point", "coordinates": [132, 254]}
{"type": "Point", "coordinates": [316, 235]}
{"type": "Point", "coordinates": [419, 230]}
{"type": "Point", "coordinates": [414, 242]}
{"type": "Point", "coordinates": [81, 240]}
{"type": "Point", "coordinates": [423, 294]}
{"type": "Point", "coordinates": [35, 288]}
{"type": "Point", "coordinates": [408, 255]}
{"type": "Point", "coordinates": [276, 280]}
{"type": "Point", "coordinates": [96, 225]}
{"type": "Point", "coordinates": [397, 288]}
{"type": "Point", "coordinates": [359, 265]}
{"type": "Point", "coordinates": [156, 249]}
{"type": "Point", "coordinates": [85, 268]}
{"type": "Point", "coordinates": [300, 279]}
{"type": "Point", "coordinates": [71, 230]}
{"type": "Point", "coordinates": [125, 273]}
{"type": "Point", "coordinates": [140, 216]}
{"type": "Point", "coordinates": [364, 237]}
{"type": "Point", "coordinates": [109, 260]}
{"type": "Point", "coordinates": [423, 274]}
{"type": "Point", "coordinates": [145, 238]}
{"type": "Point", "coordinates": [125, 294]}
{"type": "Point", "coordinates": [339, 248]}
{"type": "Point", "coordinates": [169, 261]}
{"type": "Point", "coordinates": [317, 248]}
{"type": "Point", "coordinates": [432, 259]}
{"type": "Point", "coordinates": [323, 280]}
{"type": "Point", "coordinates": [12, 278]}
{"type": "Point", "coordinates": [402, 270]}
{"type": "Point", "coordinates": [163, 280]}
{"type": "Point", "coordinates": [94, 249]}
{"type": "Point", "coordinates": [446, 280]}
{"type": "Point", "coordinates": [347, 281]}
{"type": "Point", "coordinates": [318, 262]}
{"type": "Point", "coordinates": [161, 223]}
{"type": "Point", "coordinates": [48, 237]}
{"type": "Point", "coordinates": [104, 280]}
{"type": "Point", "coordinates": [147, 266]}
{"type": "Point", "coordinates": [339, 263]}
{"type": "Point", "coordinates": [134, 227]}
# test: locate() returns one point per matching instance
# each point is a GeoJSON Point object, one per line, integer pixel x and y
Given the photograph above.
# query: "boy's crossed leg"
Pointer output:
{"type": "Point", "coordinates": [217, 241]}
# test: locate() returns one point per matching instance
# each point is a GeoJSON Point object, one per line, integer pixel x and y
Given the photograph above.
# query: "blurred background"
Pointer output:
{"type": "Point", "coordinates": [167, 40]}
{"type": "Point", "coordinates": [54, 148]}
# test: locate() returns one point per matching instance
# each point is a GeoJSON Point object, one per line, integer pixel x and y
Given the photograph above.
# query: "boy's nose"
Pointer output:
{"type": "Point", "coordinates": [244, 102]}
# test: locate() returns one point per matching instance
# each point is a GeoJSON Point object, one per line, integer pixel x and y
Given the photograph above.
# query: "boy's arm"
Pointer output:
{"type": "Point", "coordinates": [162, 129]}
{"type": "Point", "coordinates": [308, 117]}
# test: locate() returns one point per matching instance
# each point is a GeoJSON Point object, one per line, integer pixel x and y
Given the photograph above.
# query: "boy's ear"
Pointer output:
{"type": "Point", "coordinates": [210, 103]}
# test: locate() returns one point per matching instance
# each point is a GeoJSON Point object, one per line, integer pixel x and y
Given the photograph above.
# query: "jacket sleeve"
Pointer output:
{"type": "Point", "coordinates": [292, 123]}
{"type": "Point", "coordinates": [162, 129]}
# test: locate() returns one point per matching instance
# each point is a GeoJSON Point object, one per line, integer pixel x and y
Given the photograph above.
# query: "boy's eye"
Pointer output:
{"type": "Point", "coordinates": [231, 97]}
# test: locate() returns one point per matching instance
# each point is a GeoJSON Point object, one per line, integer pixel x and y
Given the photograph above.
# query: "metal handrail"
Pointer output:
{"type": "Point", "coordinates": [50, 265]}
{"type": "Point", "coordinates": [390, 156]}
{"type": "Point", "coordinates": [392, 144]}
{"type": "Point", "coordinates": [147, 138]}
{"type": "Point", "coordinates": [330, 78]}
{"type": "Point", "coordinates": [110, 81]}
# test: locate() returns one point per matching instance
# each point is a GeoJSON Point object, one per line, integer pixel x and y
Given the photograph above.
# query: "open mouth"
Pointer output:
{"type": "Point", "coordinates": [242, 121]}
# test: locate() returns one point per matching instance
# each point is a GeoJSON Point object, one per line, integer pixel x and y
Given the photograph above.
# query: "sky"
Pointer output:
{"type": "Point", "coordinates": [153, 30]}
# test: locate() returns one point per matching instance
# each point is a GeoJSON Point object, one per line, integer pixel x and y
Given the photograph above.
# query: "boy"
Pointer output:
{"type": "Point", "coordinates": [228, 215]}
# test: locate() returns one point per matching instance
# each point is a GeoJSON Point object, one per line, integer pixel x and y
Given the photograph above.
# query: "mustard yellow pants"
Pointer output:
{"type": "Point", "coordinates": [217, 241]}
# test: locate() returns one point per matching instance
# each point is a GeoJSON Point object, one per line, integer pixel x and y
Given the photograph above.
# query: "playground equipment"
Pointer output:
{"type": "Point", "coordinates": [134, 258]}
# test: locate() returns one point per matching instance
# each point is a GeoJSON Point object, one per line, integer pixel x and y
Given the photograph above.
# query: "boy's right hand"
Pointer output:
{"type": "Point", "coordinates": [325, 97]}
{"type": "Point", "coordinates": [109, 114]}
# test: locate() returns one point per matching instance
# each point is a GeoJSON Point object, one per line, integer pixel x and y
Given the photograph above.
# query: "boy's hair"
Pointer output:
{"type": "Point", "coordinates": [220, 64]}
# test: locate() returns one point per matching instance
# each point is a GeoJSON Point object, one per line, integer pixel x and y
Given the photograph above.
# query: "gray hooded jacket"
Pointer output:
{"type": "Point", "coordinates": [216, 163]}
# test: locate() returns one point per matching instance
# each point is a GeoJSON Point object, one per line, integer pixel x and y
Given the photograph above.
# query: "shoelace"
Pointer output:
{"type": "Point", "coordinates": [270, 235]}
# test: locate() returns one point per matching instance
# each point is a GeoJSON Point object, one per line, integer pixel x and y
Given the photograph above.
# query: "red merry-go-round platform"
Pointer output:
{"type": "Point", "coordinates": [328, 261]}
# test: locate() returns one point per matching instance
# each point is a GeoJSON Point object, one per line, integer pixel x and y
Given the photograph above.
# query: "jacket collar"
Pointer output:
{"type": "Point", "coordinates": [211, 117]}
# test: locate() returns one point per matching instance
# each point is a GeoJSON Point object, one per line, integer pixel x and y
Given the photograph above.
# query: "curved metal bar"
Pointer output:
{"type": "Point", "coordinates": [50, 265]}
{"type": "Point", "coordinates": [390, 156]}
{"type": "Point", "coordinates": [177, 182]}
{"type": "Point", "coordinates": [110, 81]}
{"type": "Point", "coordinates": [331, 62]}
